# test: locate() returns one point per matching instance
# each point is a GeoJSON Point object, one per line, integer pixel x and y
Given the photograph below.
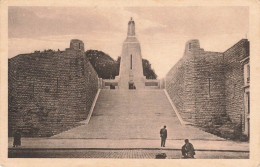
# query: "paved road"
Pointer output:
{"type": "Point", "coordinates": [120, 154]}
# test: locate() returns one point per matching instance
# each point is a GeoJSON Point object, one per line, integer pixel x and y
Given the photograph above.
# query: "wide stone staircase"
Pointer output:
{"type": "Point", "coordinates": [134, 114]}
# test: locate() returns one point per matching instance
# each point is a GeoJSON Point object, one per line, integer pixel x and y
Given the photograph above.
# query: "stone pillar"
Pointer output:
{"type": "Point", "coordinates": [131, 67]}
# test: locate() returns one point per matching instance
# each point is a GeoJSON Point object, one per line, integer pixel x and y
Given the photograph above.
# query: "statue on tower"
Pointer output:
{"type": "Point", "coordinates": [131, 28]}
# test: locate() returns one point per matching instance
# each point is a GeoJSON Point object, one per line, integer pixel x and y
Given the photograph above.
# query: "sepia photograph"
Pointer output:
{"type": "Point", "coordinates": [129, 82]}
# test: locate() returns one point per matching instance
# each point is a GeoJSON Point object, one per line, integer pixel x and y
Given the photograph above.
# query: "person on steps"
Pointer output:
{"type": "Point", "coordinates": [17, 139]}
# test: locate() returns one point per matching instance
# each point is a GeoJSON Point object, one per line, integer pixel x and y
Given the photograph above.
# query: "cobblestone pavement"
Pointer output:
{"type": "Point", "coordinates": [121, 154]}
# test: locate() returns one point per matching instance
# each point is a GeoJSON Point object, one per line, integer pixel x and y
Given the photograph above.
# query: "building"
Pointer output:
{"type": "Point", "coordinates": [246, 69]}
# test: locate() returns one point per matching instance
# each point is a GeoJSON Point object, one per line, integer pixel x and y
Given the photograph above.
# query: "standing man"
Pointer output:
{"type": "Point", "coordinates": [163, 135]}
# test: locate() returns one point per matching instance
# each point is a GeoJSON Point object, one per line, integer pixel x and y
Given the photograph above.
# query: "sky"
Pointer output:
{"type": "Point", "coordinates": [161, 31]}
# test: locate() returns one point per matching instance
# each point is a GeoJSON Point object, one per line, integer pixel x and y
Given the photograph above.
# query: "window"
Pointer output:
{"type": "Point", "coordinates": [248, 102]}
{"type": "Point", "coordinates": [47, 90]}
{"type": "Point", "coordinates": [234, 90]}
{"type": "Point", "coordinates": [248, 74]}
{"type": "Point", "coordinates": [209, 87]}
{"type": "Point", "coordinates": [31, 85]}
{"type": "Point", "coordinates": [57, 86]}
{"type": "Point", "coordinates": [131, 63]}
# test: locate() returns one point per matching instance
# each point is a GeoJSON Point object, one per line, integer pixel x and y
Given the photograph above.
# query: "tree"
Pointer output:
{"type": "Point", "coordinates": [107, 68]}
{"type": "Point", "coordinates": [148, 71]}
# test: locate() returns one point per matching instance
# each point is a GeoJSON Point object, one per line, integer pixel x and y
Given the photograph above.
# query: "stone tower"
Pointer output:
{"type": "Point", "coordinates": [131, 68]}
{"type": "Point", "coordinates": [76, 44]}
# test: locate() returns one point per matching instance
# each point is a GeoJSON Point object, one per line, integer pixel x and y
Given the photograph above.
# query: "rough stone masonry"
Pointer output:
{"type": "Point", "coordinates": [207, 87]}
{"type": "Point", "coordinates": [50, 91]}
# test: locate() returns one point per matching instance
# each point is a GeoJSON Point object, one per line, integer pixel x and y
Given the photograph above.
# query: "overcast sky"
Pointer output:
{"type": "Point", "coordinates": [161, 31]}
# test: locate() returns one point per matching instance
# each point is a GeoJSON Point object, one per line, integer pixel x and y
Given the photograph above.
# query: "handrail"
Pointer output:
{"type": "Point", "coordinates": [176, 110]}
{"type": "Point", "coordinates": [92, 107]}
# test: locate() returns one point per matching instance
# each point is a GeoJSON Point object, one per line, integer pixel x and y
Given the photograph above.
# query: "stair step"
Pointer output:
{"type": "Point", "coordinates": [132, 114]}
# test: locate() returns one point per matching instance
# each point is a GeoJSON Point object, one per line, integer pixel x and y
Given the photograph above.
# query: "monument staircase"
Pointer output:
{"type": "Point", "coordinates": [133, 114]}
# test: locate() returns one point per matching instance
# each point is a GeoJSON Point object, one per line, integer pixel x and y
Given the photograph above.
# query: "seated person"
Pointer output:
{"type": "Point", "coordinates": [187, 150]}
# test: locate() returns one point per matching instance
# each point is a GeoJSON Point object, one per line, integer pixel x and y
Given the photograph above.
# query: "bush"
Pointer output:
{"type": "Point", "coordinates": [228, 130]}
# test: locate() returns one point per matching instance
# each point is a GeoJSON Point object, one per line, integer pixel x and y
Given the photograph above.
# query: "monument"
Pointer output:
{"type": "Point", "coordinates": [131, 68]}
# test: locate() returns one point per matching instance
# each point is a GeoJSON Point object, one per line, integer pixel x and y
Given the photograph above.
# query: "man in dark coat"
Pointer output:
{"type": "Point", "coordinates": [17, 139]}
{"type": "Point", "coordinates": [187, 150]}
{"type": "Point", "coordinates": [163, 135]}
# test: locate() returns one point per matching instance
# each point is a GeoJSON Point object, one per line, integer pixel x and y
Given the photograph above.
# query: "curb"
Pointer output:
{"type": "Point", "coordinates": [92, 107]}
{"type": "Point", "coordinates": [168, 149]}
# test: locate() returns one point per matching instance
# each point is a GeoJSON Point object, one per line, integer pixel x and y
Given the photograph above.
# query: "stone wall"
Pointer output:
{"type": "Point", "coordinates": [207, 87]}
{"type": "Point", "coordinates": [49, 92]}
{"type": "Point", "coordinates": [195, 86]}
{"type": "Point", "coordinates": [174, 84]}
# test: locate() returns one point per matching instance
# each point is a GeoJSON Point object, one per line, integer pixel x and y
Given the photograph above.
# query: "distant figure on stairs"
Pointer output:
{"type": "Point", "coordinates": [112, 86]}
{"type": "Point", "coordinates": [132, 86]}
{"type": "Point", "coordinates": [17, 138]}
{"type": "Point", "coordinates": [163, 135]}
{"type": "Point", "coordinates": [187, 150]}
